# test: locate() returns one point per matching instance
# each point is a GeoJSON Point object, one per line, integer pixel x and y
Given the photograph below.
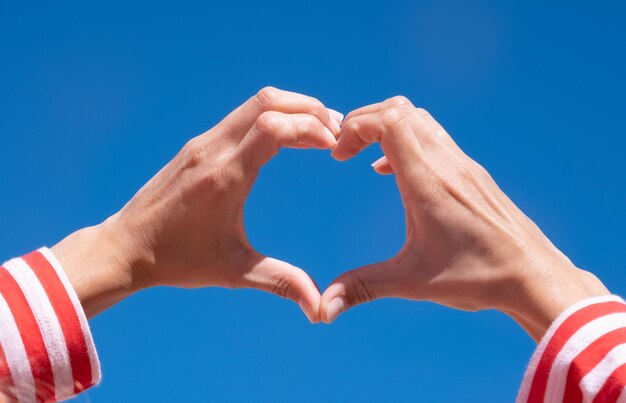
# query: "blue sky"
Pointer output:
{"type": "Point", "coordinates": [95, 98]}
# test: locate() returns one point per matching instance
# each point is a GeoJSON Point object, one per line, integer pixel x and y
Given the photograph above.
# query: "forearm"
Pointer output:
{"type": "Point", "coordinates": [546, 293]}
{"type": "Point", "coordinates": [101, 265]}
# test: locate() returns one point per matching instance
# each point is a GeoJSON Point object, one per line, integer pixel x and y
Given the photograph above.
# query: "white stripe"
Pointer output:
{"type": "Point", "coordinates": [15, 353]}
{"type": "Point", "coordinates": [532, 366]}
{"type": "Point", "coordinates": [84, 325]}
{"type": "Point", "coordinates": [580, 340]}
{"type": "Point", "coordinates": [594, 380]}
{"type": "Point", "coordinates": [48, 324]}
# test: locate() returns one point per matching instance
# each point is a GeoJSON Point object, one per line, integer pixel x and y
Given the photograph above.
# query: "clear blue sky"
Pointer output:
{"type": "Point", "coordinates": [94, 99]}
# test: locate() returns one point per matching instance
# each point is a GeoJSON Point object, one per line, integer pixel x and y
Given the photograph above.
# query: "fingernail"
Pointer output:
{"type": "Point", "coordinates": [335, 307]}
{"type": "Point", "coordinates": [377, 163]}
{"type": "Point", "coordinates": [335, 119]}
{"type": "Point", "coordinates": [337, 116]}
{"type": "Point", "coordinates": [306, 309]}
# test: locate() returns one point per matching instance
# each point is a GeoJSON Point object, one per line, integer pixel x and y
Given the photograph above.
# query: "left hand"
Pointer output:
{"type": "Point", "coordinates": [467, 245]}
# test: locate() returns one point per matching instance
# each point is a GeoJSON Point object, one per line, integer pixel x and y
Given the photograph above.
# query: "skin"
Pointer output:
{"type": "Point", "coordinates": [467, 245]}
{"type": "Point", "coordinates": [185, 227]}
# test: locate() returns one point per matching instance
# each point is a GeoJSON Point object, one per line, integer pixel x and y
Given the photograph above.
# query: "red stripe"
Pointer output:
{"type": "Point", "coordinates": [613, 386]}
{"type": "Point", "coordinates": [587, 360]}
{"type": "Point", "coordinates": [30, 333]}
{"type": "Point", "coordinates": [6, 380]}
{"type": "Point", "coordinates": [68, 318]}
{"type": "Point", "coordinates": [570, 326]}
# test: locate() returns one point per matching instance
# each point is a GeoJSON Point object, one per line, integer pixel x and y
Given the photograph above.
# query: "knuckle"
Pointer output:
{"type": "Point", "coordinates": [352, 126]}
{"type": "Point", "coordinates": [317, 107]}
{"type": "Point", "coordinates": [193, 151]}
{"type": "Point", "coordinates": [282, 285]}
{"type": "Point", "coordinates": [423, 112]}
{"type": "Point", "coordinates": [192, 143]}
{"type": "Point", "coordinates": [267, 96]}
{"type": "Point", "coordinates": [481, 170]}
{"type": "Point", "coordinates": [267, 122]}
{"type": "Point", "coordinates": [399, 100]}
{"type": "Point", "coordinates": [466, 171]}
{"type": "Point", "coordinates": [392, 116]}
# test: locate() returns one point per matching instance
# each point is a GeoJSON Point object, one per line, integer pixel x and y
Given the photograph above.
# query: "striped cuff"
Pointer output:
{"type": "Point", "coordinates": [46, 349]}
{"type": "Point", "coordinates": [582, 356]}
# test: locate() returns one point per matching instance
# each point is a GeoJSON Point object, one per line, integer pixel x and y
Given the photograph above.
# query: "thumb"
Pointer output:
{"type": "Point", "coordinates": [355, 287]}
{"type": "Point", "coordinates": [287, 281]}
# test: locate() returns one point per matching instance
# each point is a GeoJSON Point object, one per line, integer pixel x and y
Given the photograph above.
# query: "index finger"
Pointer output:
{"type": "Point", "coordinates": [391, 127]}
{"type": "Point", "coordinates": [398, 101]}
{"type": "Point", "coordinates": [241, 120]}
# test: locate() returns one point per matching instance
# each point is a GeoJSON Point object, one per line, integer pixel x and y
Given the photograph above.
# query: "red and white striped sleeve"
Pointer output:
{"type": "Point", "coordinates": [46, 349]}
{"type": "Point", "coordinates": [582, 357]}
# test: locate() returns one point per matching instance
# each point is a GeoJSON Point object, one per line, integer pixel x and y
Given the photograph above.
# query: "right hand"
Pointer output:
{"type": "Point", "coordinates": [467, 245]}
{"type": "Point", "coordinates": [185, 226]}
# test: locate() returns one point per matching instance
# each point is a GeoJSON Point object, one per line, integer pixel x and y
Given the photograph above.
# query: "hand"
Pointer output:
{"type": "Point", "coordinates": [467, 245]}
{"type": "Point", "coordinates": [185, 226]}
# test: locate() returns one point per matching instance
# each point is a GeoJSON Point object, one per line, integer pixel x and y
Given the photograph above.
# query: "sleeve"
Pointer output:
{"type": "Point", "coordinates": [582, 357]}
{"type": "Point", "coordinates": [46, 349]}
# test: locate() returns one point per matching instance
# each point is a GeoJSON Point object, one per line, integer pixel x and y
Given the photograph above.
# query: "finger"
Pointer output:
{"type": "Point", "coordinates": [391, 127]}
{"type": "Point", "coordinates": [287, 281]}
{"type": "Point", "coordinates": [274, 130]}
{"type": "Point", "coordinates": [337, 116]}
{"type": "Point", "coordinates": [238, 122]}
{"type": "Point", "coordinates": [379, 106]}
{"type": "Point", "coordinates": [401, 101]}
{"type": "Point", "coordinates": [355, 287]}
{"type": "Point", "coordinates": [382, 166]}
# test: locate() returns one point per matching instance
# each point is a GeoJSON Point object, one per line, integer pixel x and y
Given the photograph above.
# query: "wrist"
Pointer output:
{"type": "Point", "coordinates": [544, 293]}
{"type": "Point", "coordinates": [101, 265]}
